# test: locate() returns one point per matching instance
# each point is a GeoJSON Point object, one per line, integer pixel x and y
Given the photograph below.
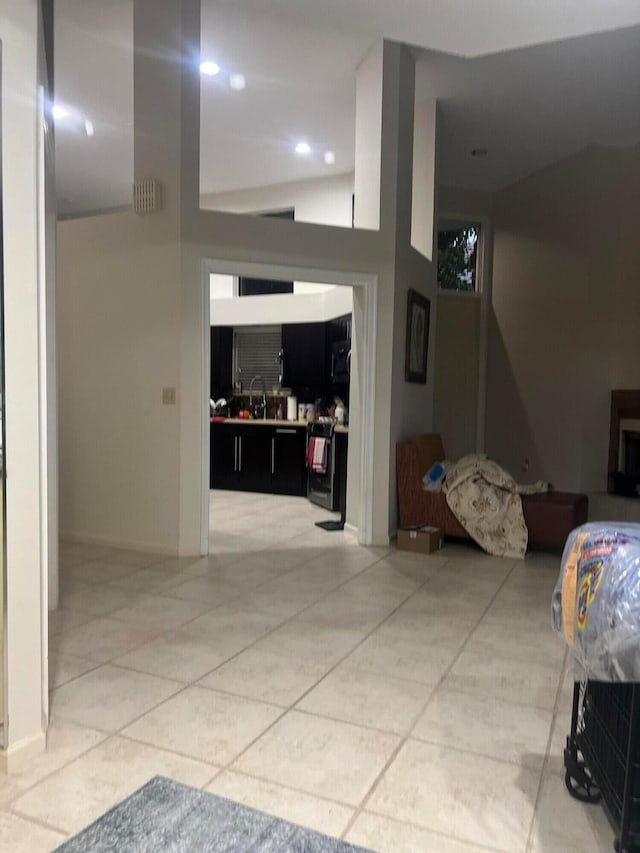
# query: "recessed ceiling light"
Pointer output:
{"type": "Point", "coordinates": [58, 111]}
{"type": "Point", "coordinates": [479, 152]}
{"type": "Point", "coordinates": [237, 81]}
{"type": "Point", "coordinates": [303, 148]}
{"type": "Point", "coordinates": [88, 126]}
{"type": "Point", "coordinates": [329, 157]}
{"type": "Point", "coordinates": [210, 69]}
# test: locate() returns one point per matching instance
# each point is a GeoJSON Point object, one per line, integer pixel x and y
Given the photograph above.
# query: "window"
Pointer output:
{"type": "Point", "coordinates": [458, 251]}
{"type": "Point", "coordinates": [256, 351]}
{"type": "Point", "coordinates": [263, 287]}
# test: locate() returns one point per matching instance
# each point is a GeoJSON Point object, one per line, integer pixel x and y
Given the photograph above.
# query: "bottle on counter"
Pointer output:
{"type": "Point", "coordinates": [340, 412]}
{"type": "Point", "coordinates": [279, 412]}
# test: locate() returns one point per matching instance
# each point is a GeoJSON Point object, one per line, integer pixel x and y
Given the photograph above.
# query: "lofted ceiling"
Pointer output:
{"type": "Point", "coordinates": [531, 82]}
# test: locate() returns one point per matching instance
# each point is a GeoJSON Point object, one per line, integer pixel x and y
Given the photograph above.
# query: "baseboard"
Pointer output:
{"type": "Point", "coordinates": [127, 544]}
{"type": "Point", "coordinates": [18, 755]}
{"type": "Point", "coordinates": [380, 541]}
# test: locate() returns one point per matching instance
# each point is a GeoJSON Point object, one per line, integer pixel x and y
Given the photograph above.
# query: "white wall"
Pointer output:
{"type": "Point", "coordinates": [461, 336]}
{"type": "Point", "coordinates": [119, 316]}
{"type": "Point", "coordinates": [278, 308]}
{"type": "Point", "coordinates": [566, 302]}
{"type": "Point", "coordinates": [311, 287]}
{"type": "Point", "coordinates": [226, 286]}
{"type": "Point", "coordinates": [118, 331]}
{"type": "Point", "coordinates": [423, 207]}
{"type": "Point", "coordinates": [140, 255]}
{"type": "Point", "coordinates": [26, 567]}
{"type": "Point", "coordinates": [457, 357]}
{"type": "Point", "coordinates": [323, 201]}
{"type": "Point", "coordinates": [221, 286]}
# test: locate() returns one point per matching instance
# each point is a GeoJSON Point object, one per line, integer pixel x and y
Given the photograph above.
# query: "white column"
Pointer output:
{"type": "Point", "coordinates": [385, 84]}
{"type": "Point", "coordinates": [395, 182]}
{"type": "Point", "coordinates": [423, 215]}
{"type": "Point", "coordinates": [26, 572]}
{"type": "Point", "coordinates": [368, 151]}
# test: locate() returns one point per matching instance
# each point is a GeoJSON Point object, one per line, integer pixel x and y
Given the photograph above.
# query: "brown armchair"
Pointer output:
{"type": "Point", "coordinates": [550, 517]}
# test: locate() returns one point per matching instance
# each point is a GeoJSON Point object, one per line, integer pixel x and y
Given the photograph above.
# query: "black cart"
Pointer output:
{"type": "Point", "coordinates": [602, 756]}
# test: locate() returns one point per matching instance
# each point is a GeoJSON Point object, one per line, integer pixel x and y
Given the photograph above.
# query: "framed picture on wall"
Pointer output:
{"type": "Point", "coordinates": [418, 307]}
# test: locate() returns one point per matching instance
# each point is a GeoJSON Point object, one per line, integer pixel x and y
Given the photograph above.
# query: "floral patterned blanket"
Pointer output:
{"type": "Point", "coordinates": [485, 500]}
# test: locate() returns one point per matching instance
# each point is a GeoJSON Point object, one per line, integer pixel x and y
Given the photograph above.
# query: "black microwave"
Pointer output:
{"type": "Point", "coordinates": [341, 362]}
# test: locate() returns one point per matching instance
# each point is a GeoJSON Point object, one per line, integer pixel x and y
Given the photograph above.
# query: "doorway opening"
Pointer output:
{"type": "Point", "coordinates": [287, 408]}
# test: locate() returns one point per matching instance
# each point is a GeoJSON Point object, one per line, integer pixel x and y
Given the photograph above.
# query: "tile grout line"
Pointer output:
{"type": "Point", "coordinates": [286, 709]}
{"type": "Point", "coordinates": [185, 686]}
{"type": "Point", "coordinates": [289, 619]}
{"type": "Point", "coordinates": [155, 635]}
{"type": "Point", "coordinates": [37, 821]}
{"type": "Point", "coordinates": [292, 707]}
{"type": "Point", "coordinates": [407, 735]}
{"type": "Point", "coordinates": [473, 845]}
{"type": "Point", "coordinates": [257, 778]}
{"type": "Point", "coordinates": [281, 624]}
{"type": "Point", "coordinates": [530, 836]}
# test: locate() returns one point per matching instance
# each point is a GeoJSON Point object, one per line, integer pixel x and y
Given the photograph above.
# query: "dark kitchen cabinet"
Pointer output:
{"type": "Point", "coordinates": [339, 329]}
{"type": "Point", "coordinates": [254, 459]}
{"type": "Point", "coordinates": [240, 458]}
{"type": "Point", "coordinates": [258, 458]}
{"type": "Point", "coordinates": [288, 472]}
{"type": "Point", "coordinates": [304, 354]}
{"type": "Point", "coordinates": [221, 361]}
{"type": "Point", "coordinates": [223, 456]}
{"type": "Point", "coordinates": [339, 350]}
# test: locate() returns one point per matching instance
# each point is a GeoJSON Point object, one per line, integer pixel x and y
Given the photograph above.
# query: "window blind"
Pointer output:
{"type": "Point", "coordinates": [256, 354]}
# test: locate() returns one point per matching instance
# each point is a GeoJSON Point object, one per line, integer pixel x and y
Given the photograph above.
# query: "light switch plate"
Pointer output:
{"type": "Point", "coordinates": [169, 396]}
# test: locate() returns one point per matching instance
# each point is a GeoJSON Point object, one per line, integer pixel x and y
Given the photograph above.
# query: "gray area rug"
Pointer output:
{"type": "Point", "coordinates": [166, 816]}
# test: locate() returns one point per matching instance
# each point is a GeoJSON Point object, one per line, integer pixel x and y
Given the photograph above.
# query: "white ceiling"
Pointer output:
{"type": "Point", "coordinates": [93, 77]}
{"type": "Point", "coordinates": [528, 106]}
{"type": "Point", "coordinates": [533, 106]}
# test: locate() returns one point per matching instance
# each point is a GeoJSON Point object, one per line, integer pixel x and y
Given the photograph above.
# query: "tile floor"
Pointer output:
{"type": "Point", "coordinates": [405, 703]}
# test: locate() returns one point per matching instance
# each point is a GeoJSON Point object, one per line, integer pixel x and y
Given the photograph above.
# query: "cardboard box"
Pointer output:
{"type": "Point", "coordinates": [420, 539]}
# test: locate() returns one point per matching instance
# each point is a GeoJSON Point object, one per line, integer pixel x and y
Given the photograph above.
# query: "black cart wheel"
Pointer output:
{"type": "Point", "coordinates": [581, 784]}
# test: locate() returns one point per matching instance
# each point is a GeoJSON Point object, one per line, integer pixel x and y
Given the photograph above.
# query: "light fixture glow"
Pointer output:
{"type": "Point", "coordinates": [329, 157]}
{"type": "Point", "coordinates": [303, 148]}
{"type": "Point", "coordinates": [210, 69]}
{"type": "Point", "coordinates": [58, 111]}
{"type": "Point", "coordinates": [88, 126]}
{"type": "Point", "coordinates": [237, 82]}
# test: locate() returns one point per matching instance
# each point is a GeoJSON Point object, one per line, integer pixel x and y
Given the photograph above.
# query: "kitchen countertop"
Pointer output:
{"type": "Point", "coordinates": [263, 422]}
{"type": "Point", "coordinates": [272, 422]}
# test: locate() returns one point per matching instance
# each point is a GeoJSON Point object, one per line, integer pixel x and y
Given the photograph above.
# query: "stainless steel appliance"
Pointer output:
{"type": "Point", "coordinates": [321, 484]}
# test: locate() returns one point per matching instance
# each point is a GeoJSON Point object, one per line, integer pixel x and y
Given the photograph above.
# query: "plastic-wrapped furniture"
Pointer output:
{"type": "Point", "coordinates": [596, 608]}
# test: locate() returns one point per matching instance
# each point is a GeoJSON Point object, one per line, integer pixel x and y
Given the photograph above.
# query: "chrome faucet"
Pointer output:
{"type": "Point", "coordinates": [254, 410]}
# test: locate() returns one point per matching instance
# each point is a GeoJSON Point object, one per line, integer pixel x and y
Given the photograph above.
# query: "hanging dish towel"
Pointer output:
{"type": "Point", "coordinates": [320, 456]}
{"type": "Point", "coordinates": [310, 451]}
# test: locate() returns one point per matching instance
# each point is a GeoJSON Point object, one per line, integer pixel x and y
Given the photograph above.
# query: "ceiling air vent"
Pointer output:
{"type": "Point", "coordinates": [146, 196]}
